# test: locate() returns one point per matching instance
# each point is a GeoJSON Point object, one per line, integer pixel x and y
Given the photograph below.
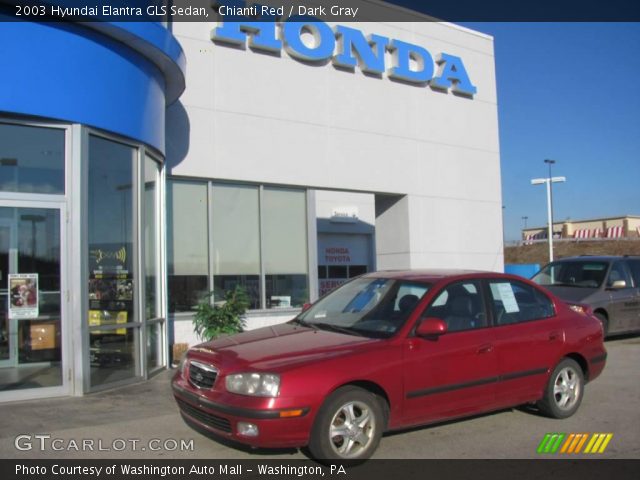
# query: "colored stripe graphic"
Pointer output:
{"type": "Point", "coordinates": [573, 443]}
{"type": "Point", "coordinates": [551, 442]}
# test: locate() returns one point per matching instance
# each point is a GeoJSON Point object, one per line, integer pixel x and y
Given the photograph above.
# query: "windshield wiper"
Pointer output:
{"type": "Point", "coordinates": [302, 323]}
{"type": "Point", "coordinates": [336, 328]}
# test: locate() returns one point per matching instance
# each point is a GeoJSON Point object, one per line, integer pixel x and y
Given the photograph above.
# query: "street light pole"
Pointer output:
{"type": "Point", "coordinates": [548, 182]}
{"type": "Point", "coordinates": [550, 162]}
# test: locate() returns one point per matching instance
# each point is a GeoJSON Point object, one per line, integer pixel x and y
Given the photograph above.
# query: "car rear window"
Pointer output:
{"type": "Point", "coordinates": [587, 274]}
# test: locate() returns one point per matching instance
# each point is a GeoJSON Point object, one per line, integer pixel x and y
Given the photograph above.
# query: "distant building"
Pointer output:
{"type": "Point", "coordinates": [627, 226]}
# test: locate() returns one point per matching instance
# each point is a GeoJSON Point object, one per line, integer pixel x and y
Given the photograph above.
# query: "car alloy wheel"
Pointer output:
{"type": "Point", "coordinates": [352, 429]}
{"type": "Point", "coordinates": [567, 388]}
{"type": "Point", "coordinates": [348, 426]}
{"type": "Point", "coordinates": [564, 390]}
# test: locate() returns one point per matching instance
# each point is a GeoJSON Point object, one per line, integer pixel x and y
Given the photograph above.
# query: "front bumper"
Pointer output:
{"type": "Point", "coordinates": [222, 418]}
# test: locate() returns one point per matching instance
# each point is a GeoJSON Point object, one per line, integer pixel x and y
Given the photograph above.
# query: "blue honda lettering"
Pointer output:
{"type": "Point", "coordinates": [296, 26]}
{"type": "Point", "coordinates": [452, 75]}
{"type": "Point", "coordinates": [236, 27]}
{"type": "Point", "coordinates": [410, 63]}
{"type": "Point", "coordinates": [403, 53]}
{"type": "Point", "coordinates": [370, 51]}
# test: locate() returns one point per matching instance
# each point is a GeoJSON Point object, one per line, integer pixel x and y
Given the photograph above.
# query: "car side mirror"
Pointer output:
{"type": "Point", "coordinates": [306, 307]}
{"type": "Point", "coordinates": [431, 327]}
{"type": "Point", "coordinates": [618, 284]}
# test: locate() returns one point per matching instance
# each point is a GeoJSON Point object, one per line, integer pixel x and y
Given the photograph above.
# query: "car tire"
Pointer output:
{"type": "Point", "coordinates": [604, 321]}
{"type": "Point", "coordinates": [564, 391]}
{"type": "Point", "coordinates": [348, 426]}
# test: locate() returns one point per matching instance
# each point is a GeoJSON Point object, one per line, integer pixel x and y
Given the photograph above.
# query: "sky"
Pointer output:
{"type": "Point", "coordinates": [568, 92]}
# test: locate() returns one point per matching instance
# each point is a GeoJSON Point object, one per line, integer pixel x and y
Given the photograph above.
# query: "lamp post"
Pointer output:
{"type": "Point", "coordinates": [550, 162]}
{"type": "Point", "coordinates": [548, 181]}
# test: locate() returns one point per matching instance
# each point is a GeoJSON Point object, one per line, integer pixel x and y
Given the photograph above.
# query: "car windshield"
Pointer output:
{"type": "Point", "coordinates": [582, 274]}
{"type": "Point", "coordinates": [370, 307]}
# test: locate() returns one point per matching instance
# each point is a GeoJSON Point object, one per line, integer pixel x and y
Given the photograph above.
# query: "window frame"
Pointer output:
{"type": "Point", "coordinates": [311, 260]}
{"type": "Point", "coordinates": [489, 300]}
{"type": "Point", "coordinates": [482, 295]}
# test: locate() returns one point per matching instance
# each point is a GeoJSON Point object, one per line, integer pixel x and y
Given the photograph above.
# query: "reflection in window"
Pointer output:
{"type": "Point", "coordinates": [248, 231]}
{"type": "Point", "coordinates": [236, 240]}
{"type": "Point", "coordinates": [113, 355]}
{"type": "Point", "coordinates": [111, 280]}
{"type": "Point", "coordinates": [187, 251]}
{"type": "Point", "coordinates": [515, 302]}
{"type": "Point", "coordinates": [30, 315]}
{"type": "Point", "coordinates": [150, 225]}
{"type": "Point", "coordinates": [31, 159]}
{"type": "Point", "coordinates": [284, 220]}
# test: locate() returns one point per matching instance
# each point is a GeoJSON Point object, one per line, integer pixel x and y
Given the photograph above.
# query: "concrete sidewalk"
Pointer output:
{"type": "Point", "coordinates": [118, 423]}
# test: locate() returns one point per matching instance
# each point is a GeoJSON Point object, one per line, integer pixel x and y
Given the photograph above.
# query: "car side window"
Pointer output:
{"type": "Point", "coordinates": [618, 272]}
{"type": "Point", "coordinates": [516, 302]}
{"type": "Point", "coordinates": [634, 266]}
{"type": "Point", "coordinates": [460, 305]}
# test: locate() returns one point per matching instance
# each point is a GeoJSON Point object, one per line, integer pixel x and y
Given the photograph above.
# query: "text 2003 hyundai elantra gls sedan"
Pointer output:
{"type": "Point", "coordinates": [390, 350]}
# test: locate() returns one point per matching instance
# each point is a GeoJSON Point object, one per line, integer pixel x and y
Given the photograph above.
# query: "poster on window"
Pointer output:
{"type": "Point", "coordinates": [23, 295]}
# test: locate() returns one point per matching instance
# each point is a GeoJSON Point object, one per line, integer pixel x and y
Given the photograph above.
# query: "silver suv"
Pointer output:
{"type": "Point", "coordinates": [609, 285]}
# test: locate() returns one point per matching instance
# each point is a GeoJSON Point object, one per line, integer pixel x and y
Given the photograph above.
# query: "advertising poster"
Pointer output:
{"type": "Point", "coordinates": [23, 295]}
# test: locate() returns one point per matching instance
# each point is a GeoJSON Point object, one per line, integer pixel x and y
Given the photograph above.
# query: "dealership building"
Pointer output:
{"type": "Point", "coordinates": [143, 165]}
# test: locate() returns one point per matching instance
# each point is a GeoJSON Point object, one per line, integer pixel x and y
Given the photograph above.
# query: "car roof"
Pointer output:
{"type": "Point", "coordinates": [431, 275]}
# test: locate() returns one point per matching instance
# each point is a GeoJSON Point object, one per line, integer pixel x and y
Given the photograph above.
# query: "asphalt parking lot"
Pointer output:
{"type": "Point", "coordinates": [141, 421]}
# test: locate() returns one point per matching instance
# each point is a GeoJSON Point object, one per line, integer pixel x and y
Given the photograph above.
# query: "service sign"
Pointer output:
{"type": "Point", "coordinates": [346, 47]}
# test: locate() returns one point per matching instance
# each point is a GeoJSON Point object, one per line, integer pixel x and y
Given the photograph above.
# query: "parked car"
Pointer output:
{"type": "Point", "coordinates": [610, 285]}
{"type": "Point", "coordinates": [391, 350]}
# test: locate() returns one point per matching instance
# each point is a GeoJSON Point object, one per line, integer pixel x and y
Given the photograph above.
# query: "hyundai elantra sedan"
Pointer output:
{"type": "Point", "coordinates": [392, 350]}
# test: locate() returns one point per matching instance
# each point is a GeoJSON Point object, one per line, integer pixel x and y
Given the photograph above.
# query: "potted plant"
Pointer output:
{"type": "Point", "coordinates": [225, 317]}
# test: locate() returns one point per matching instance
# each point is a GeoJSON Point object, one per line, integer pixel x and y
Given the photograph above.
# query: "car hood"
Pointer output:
{"type": "Point", "coordinates": [278, 348]}
{"type": "Point", "coordinates": [572, 294]}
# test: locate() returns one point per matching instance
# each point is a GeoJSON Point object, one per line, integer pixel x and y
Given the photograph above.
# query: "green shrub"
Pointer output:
{"type": "Point", "coordinates": [221, 318]}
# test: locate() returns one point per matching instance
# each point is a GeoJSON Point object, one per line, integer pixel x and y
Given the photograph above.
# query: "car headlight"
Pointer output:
{"type": "Point", "coordinates": [254, 384]}
{"type": "Point", "coordinates": [183, 367]}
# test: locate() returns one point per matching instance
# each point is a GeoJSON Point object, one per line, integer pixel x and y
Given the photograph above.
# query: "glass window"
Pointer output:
{"type": "Point", "coordinates": [338, 271]}
{"type": "Point", "coordinates": [634, 266]}
{"type": "Point", "coordinates": [515, 302]}
{"type": "Point", "coordinates": [618, 272]}
{"type": "Point", "coordinates": [187, 244]}
{"type": "Point", "coordinates": [111, 276]}
{"type": "Point", "coordinates": [460, 305]}
{"type": "Point", "coordinates": [356, 270]}
{"type": "Point", "coordinates": [236, 240]}
{"type": "Point", "coordinates": [284, 217]}
{"type": "Point", "coordinates": [150, 226]}
{"type": "Point", "coordinates": [30, 307]}
{"type": "Point", "coordinates": [322, 272]}
{"type": "Point", "coordinates": [154, 346]}
{"type": "Point", "coordinates": [31, 159]}
{"type": "Point", "coordinates": [374, 307]}
{"type": "Point", "coordinates": [584, 274]}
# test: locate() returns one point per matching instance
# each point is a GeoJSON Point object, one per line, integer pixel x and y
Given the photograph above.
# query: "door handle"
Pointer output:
{"type": "Point", "coordinates": [486, 348]}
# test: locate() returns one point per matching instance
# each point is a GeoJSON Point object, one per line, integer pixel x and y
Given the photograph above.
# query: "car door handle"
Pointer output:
{"type": "Point", "coordinates": [486, 348]}
{"type": "Point", "coordinates": [553, 336]}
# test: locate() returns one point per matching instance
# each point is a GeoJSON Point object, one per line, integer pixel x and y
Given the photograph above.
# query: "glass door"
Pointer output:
{"type": "Point", "coordinates": [30, 298]}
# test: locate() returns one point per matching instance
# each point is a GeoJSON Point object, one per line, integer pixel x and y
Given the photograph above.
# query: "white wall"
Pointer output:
{"type": "Point", "coordinates": [261, 118]}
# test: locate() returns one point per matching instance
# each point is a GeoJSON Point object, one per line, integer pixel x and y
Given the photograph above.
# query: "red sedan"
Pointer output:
{"type": "Point", "coordinates": [391, 350]}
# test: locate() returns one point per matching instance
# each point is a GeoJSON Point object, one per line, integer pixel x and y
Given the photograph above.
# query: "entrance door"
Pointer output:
{"type": "Point", "coordinates": [30, 298]}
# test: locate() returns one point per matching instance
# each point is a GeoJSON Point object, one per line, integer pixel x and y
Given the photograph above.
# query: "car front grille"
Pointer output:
{"type": "Point", "coordinates": [208, 419]}
{"type": "Point", "coordinates": [202, 375]}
